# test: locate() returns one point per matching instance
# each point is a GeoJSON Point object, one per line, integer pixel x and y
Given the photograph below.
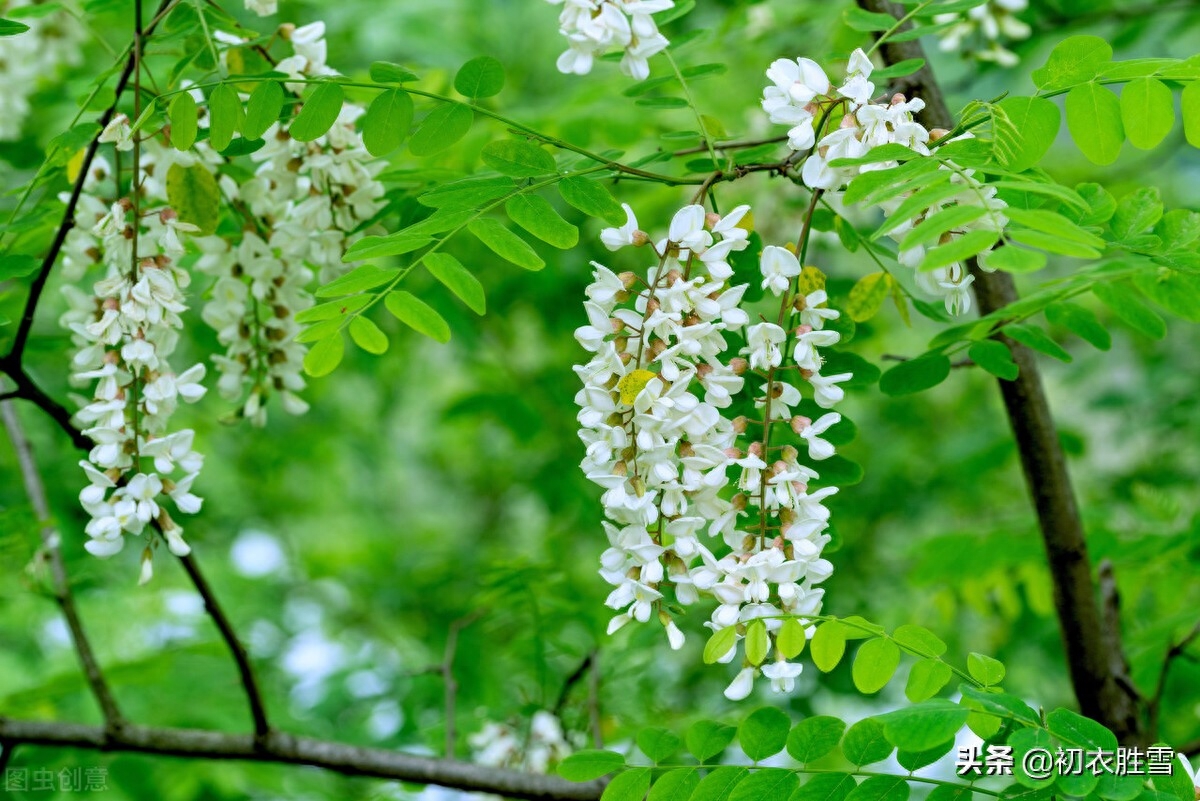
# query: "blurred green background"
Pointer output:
{"type": "Point", "coordinates": [436, 482]}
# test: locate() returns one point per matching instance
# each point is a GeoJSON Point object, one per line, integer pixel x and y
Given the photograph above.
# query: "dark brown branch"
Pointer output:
{"type": "Point", "coordinates": [249, 683]}
{"type": "Point", "coordinates": [287, 749]}
{"type": "Point", "coordinates": [58, 572]}
{"type": "Point", "coordinates": [7, 749]}
{"type": "Point", "coordinates": [1097, 688]}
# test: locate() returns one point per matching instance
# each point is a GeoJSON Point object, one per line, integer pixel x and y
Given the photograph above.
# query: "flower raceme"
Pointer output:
{"type": "Point", "coordinates": [800, 93]}
{"type": "Point", "coordinates": [679, 472]}
{"type": "Point", "coordinates": [593, 27]}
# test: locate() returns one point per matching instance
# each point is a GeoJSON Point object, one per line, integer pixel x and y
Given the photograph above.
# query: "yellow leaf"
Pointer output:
{"type": "Point", "coordinates": [811, 279]}
{"type": "Point", "coordinates": [630, 385]}
{"type": "Point", "coordinates": [75, 165]}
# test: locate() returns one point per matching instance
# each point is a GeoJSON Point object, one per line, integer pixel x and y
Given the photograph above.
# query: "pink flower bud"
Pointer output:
{"type": "Point", "coordinates": [800, 422]}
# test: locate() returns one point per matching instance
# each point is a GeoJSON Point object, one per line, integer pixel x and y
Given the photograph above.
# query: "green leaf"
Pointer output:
{"type": "Point", "coordinates": [919, 640]}
{"type": "Point", "coordinates": [193, 193]}
{"type": "Point", "coordinates": [995, 357]}
{"type": "Point", "coordinates": [225, 116]}
{"type": "Point", "coordinates": [631, 785]}
{"type": "Point", "coordinates": [813, 738]}
{"type": "Point", "coordinates": [1080, 732]}
{"type": "Point", "coordinates": [1147, 111]}
{"type": "Point", "coordinates": [183, 116]}
{"type": "Point", "coordinates": [998, 703]}
{"type": "Point", "coordinates": [262, 109]}
{"type": "Point", "coordinates": [482, 76]}
{"type": "Point", "coordinates": [1057, 225]}
{"type": "Point", "coordinates": [387, 121]}
{"type": "Point", "coordinates": [418, 315]}
{"type": "Point", "coordinates": [1072, 61]}
{"type": "Point", "coordinates": [1138, 212]}
{"type": "Point", "coordinates": [881, 788]}
{"type": "Point", "coordinates": [375, 247]}
{"type": "Point", "coordinates": [915, 375]}
{"type": "Point", "coordinates": [1050, 243]}
{"type": "Point", "coordinates": [584, 766]}
{"type": "Point", "coordinates": [470, 193]}
{"type": "Point", "coordinates": [708, 738]}
{"type": "Point", "coordinates": [324, 357]}
{"type": "Point", "coordinates": [924, 725]}
{"type": "Point", "coordinates": [675, 785]}
{"type": "Point", "coordinates": [766, 784]}
{"type": "Point", "coordinates": [866, 743]}
{"type": "Point", "coordinates": [868, 21]}
{"type": "Point", "coordinates": [926, 679]}
{"type": "Point", "coordinates": [1035, 123]}
{"type": "Point", "coordinates": [867, 296]}
{"type": "Point", "coordinates": [332, 310]}
{"type": "Point", "coordinates": [1094, 119]}
{"type": "Point", "coordinates": [505, 244]}
{"type": "Point", "coordinates": [948, 219]}
{"type": "Point", "coordinates": [764, 733]}
{"type": "Point", "coordinates": [791, 637]}
{"type": "Point", "coordinates": [658, 744]}
{"type": "Point", "coordinates": [900, 69]}
{"type": "Point", "coordinates": [368, 336]}
{"type": "Point", "coordinates": [319, 112]}
{"type": "Point", "coordinates": [1189, 104]}
{"type": "Point", "coordinates": [387, 72]}
{"type": "Point", "coordinates": [10, 27]}
{"type": "Point", "coordinates": [444, 126]}
{"type": "Point", "coordinates": [983, 725]}
{"type": "Point", "coordinates": [719, 783]}
{"type": "Point", "coordinates": [719, 644]}
{"type": "Point", "coordinates": [1175, 291]}
{"type": "Point", "coordinates": [592, 199]}
{"type": "Point", "coordinates": [828, 645]}
{"type": "Point", "coordinates": [875, 664]}
{"type": "Point", "coordinates": [757, 642]}
{"type": "Point", "coordinates": [1016, 260]}
{"type": "Point", "coordinates": [14, 266]}
{"type": "Point", "coordinates": [1033, 337]}
{"type": "Point", "coordinates": [518, 158]}
{"type": "Point", "coordinates": [1127, 304]}
{"type": "Point", "coordinates": [958, 249]}
{"type": "Point", "coordinates": [1101, 205]}
{"type": "Point", "coordinates": [457, 279]}
{"type": "Point", "coordinates": [950, 792]}
{"type": "Point", "coordinates": [360, 279]}
{"type": "Point", "coordinates": [1081, 321]}
{"type": "Point", "coordinates": [826, 787]}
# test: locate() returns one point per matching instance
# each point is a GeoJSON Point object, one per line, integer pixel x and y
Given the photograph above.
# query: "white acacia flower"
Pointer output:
{"type": "Point", "coordinates": [779, 266]}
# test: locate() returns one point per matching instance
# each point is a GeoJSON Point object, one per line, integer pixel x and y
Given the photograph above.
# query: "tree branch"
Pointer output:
{"type": "Point", "coordinates": [1097, 689]}
{"type": "Point", "coordinates": [1174, 651]}
{"type": "Point", "coordinates": [287, 749]}
{"type": "Point", "coordinates": [53, 554]}
{"type": "Point", "coordinates": [249, 683]}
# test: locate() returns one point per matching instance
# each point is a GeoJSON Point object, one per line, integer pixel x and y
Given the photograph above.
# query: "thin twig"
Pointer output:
{"type": "Point", "coordinates": [450, 684]}
{"type": "Point", "coordinates": [249, 683]}
{"type": "Point", "coordinates": [113, 720]}
{"type": "Point", "coordinates": [1174, 651]}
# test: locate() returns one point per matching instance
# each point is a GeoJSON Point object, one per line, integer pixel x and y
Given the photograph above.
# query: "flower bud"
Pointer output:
{"type": "Point", "coordinates": [740, 423]}
{"type": "Point", "coordinates": [711, 219]}
{"type": "Point", "coordinates": [628, 279]}
{"type": "Point", "coordinates": [739, 502]}
{"type": "Point", "coordinates": [790, 454]}
{"type": "Point", "coordinates": [640, 238]}
{"type": "Point", "coordinates": [800, 422]}
{"type": "Point", "coordinates": [738, 365]}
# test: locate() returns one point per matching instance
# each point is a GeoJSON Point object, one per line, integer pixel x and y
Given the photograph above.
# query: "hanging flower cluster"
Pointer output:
{"type": "Point", "coordinates": [594, 27]}
{"type": "Point", "coordinates": [677, 472]}
{"type": "Point", "coordinates": [125, 332]}
{"type": "Point", "coordinates": [263, 8]}
{"type": "Point", "coordinates": [499, 745]}
{"type": "Point", "coordinates": [989, 22]}
{"type": "Point", "coordinates": [52, 42]}
{"type": "Point", "coordinates": [304, 205]}
{"type": "Point", "coordinates": [800, 91]}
